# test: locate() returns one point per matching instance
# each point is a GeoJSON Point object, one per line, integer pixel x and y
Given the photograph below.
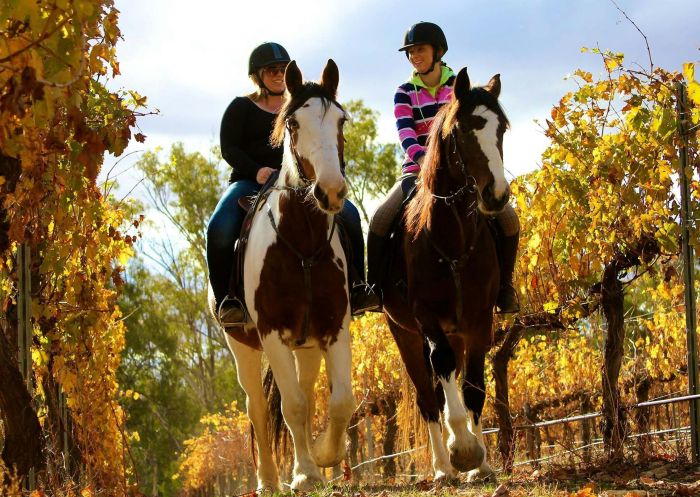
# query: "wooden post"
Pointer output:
{"type": "Point", "coordinates": [688, 277]}
{"type": "Point", "coordinates": [24, 330]}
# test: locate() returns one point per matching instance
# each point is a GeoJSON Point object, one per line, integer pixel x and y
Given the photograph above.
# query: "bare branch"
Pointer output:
{"type": "Point", "coordinates": [651, 62]}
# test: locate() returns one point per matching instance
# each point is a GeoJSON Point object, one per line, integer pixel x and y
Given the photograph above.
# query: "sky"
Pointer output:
{"type": "Point", "coordinates": [190, 58]}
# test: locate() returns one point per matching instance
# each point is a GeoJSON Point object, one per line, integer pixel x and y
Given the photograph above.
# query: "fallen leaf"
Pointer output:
{"type": "Point", "coordinates": [347, 471]}
{"type": "Point", "coordinates": [646, 480]}
{"type": "Point", "coordinates": [501, 491]}
{"type": "Point", "coordinates": [424, 485]}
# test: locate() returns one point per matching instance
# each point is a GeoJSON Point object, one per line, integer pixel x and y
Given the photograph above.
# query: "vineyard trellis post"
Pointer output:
{"type": "Point", "coordinates": [688, 276]}
{"type": "Point", "coordinates": [24, 329]}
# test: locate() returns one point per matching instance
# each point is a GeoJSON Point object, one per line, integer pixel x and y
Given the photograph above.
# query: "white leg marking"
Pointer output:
{"type": "Point", "coordinates": [484, 470]}
{"type": "Point", "coordinates": [308, 363]}
{"type": "Point", "coordinates": [465, 453]}
{"type": "Point", "coordinates": [442, 468]}
{"type": "Point", "coordinates": [306, 474]}
{"type": "Point", "coordinates": [248, 362]}
{"type": "Point", "coordinates": [329, 448]}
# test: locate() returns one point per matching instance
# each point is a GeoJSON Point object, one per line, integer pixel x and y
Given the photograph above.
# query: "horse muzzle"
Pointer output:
{"type": "Point", "coordinates": [330, 199]}
{"type": "Point", "coordinates": [489, 203]}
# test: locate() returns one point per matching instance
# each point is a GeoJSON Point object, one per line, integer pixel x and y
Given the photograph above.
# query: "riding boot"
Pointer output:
{"type": "Point", "coordinates": [507, 300]}
{"type": "Point", "coordinates": [376, 264]}
{"type": "Point", "coordinates": [362, 296]}
{"type": "Point", "coordinates": [364, 299]}
{"type": "Point", "coordinates": [231, 310]}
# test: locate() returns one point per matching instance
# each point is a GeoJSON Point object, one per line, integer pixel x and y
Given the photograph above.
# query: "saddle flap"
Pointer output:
{"type": "Point", "coordinates": [246, 203]}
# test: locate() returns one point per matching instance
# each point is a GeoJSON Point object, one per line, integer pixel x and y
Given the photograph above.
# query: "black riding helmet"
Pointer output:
{"type": "Point", "coordinates": [266, 54]}
{"type": "Point", "coordinates": [424, 33]}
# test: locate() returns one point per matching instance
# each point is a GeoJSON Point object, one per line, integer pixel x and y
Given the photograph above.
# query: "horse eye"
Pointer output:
{"type": "Point", "coordinates": [293, 123]}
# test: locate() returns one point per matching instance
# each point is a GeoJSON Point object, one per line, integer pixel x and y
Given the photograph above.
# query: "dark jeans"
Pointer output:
{"type": "Point", "coordinates": [225, 227]}
{"type": "Point", "coordinates": [222, 233]}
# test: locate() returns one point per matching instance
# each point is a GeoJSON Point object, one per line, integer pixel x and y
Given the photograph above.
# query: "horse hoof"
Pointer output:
{"type": "Point", "coordinates": [482, 475]}
{"type": "Point", "coordinates": [268, 487]}
{"type": "Point", "coordinates": [306, 483]}
{"type": "Point", "coordinates": [445, 476]}
{"type": "Point", "coordinates": [465, 460]}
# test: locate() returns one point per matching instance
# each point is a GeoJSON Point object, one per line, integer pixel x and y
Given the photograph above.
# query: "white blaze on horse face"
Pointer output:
{"type": "Point", "coordinates": [488, 141]}
{"type": "Point", "coordinates": [317, 142]}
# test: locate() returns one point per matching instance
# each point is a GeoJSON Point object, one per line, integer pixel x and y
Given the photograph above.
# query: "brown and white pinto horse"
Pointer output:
{"type": "Point", "coordinates": [448, 258]}
{"type": "Point", "coordinates": [296, 289]}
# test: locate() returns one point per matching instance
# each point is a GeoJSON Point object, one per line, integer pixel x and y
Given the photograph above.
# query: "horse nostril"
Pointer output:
{"type": "Point", "coordinates": [488, 192]}
{"type": "Point", "coordinates": [320, 195]}
{"type": "Point", "coordinates": [343, 192]}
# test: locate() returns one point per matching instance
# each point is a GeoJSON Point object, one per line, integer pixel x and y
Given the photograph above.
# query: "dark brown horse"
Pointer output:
{"type": "Point", "coordinates": [443, 327]}
{"type": "Point", "coordinates": [295, 285]}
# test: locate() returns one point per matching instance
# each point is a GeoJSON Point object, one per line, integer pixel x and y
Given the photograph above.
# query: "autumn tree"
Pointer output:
{"type": "Point", "coordinates": [175, 361]}
{"type": "Point", "coordinates": [57, 120]}
{"type": "Point", "coordinates": [609, 174]}
{"type": "Point", "coordinates": [372, 167]}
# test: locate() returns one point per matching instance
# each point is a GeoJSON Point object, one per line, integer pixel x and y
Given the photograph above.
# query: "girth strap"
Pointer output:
{"type": "Point", "coordinates": [307, 263]}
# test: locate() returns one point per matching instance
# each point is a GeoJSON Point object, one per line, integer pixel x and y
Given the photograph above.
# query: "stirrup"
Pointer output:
{"type": "Point", "coordinates": [363, 299]}
{"type": "Point", "coordinates": [232, 312]}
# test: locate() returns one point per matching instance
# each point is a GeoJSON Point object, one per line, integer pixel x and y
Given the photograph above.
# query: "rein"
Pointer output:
{"type": "Point", "coordinates": [450, 200]}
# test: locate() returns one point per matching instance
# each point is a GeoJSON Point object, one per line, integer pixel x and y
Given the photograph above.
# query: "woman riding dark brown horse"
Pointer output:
{"type": "Point", "coordinates": [443, 326]}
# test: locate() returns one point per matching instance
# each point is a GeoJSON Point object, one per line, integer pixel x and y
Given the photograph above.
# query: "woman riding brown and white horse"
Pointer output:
{"type": "Point", "coordinates": [296, 289]}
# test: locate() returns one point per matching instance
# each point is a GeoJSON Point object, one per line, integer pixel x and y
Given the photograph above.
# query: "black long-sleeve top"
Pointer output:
{"type": "Point", "coordinates": [245, 139]}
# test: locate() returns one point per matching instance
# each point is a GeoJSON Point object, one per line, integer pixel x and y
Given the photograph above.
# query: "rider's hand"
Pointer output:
{"type": "Point", "coordinates": [263, 173]}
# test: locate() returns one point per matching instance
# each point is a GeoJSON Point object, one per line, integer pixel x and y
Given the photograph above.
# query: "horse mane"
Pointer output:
{"type": "Point", "coordinates": [419, 212]}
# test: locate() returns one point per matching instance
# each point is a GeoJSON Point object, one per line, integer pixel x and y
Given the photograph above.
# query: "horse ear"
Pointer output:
{"type": "Point", "coordinates": [462, 86]}
{"type": "Point", "coordinates": [292, 78]}
{"type": "Point", "coordinates": [494, 86]}
{"type": "Point", "coordinates": [330, 77]}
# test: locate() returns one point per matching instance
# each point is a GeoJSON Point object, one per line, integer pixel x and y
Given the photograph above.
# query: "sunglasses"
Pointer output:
{"type": "Point", "coordinates": [276, 69]}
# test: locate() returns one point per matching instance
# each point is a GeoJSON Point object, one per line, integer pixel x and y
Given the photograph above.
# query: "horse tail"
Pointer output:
{"type": "Point", "coordinates": [277, 429]}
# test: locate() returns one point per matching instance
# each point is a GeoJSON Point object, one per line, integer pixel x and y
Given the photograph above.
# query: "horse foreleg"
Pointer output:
{"type": "Point", "coordinates": [410, 346]}
{"type": "Point", "coordinates": [306, 474]}
{"type": "Point", "coordinates": [329, 448]}
{"type": "Point", "coordinates": [248, 362]}
{"type": "Point", "coordinates": [474, 392]}
{"type": "Point", "coordinates": [464, 450]}
{"type": "Point", "coordinates": [308, 363]}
